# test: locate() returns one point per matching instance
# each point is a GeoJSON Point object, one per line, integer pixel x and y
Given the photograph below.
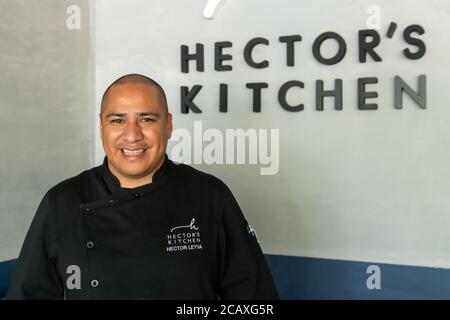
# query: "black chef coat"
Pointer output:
{"type": "Point", "coordinates": [181, 237]}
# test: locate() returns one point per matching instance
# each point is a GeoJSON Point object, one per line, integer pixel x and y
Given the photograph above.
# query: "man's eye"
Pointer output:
{"type": "Point", "coordinates": [117, 121]}
{"type": "Point", "coordinates": [148, 120]}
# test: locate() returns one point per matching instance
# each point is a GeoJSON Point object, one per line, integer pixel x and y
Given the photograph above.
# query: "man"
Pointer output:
{"type": "Point", "coordinates": [140, 226]}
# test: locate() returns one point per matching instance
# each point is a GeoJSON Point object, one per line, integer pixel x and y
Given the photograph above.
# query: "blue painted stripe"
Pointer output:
{"type": "Point", "coordinates": [6, 269]}
{"type": "Point", "coordinates": [314, 278]}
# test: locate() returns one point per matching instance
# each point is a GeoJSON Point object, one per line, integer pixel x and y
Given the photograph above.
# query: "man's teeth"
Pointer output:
{"type": "Point", "coordinates": [132, 152]}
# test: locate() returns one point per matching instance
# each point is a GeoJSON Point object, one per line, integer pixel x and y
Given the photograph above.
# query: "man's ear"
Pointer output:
{"type": "Point", "coordinates": [100, 126]}
{"type": "Point", "coordinates": [169, 125]}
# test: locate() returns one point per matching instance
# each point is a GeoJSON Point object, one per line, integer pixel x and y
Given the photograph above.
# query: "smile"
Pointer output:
{"type": "Point", "coordinates": [133, 154]}
{"type": "Point", "coordinates": [136, 152]}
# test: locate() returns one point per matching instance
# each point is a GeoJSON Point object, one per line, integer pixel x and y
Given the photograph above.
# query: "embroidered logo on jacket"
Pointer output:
{"type": "Point", "coordinates": [252, 232]}
{"type": "Point", "coordinates": [184, 237]}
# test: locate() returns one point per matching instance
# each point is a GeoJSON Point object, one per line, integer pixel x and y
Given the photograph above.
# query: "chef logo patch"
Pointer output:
{"type": "Point", "coordinates": [252, 232]}
{"type": "Point", "coordinates": [184, 237]}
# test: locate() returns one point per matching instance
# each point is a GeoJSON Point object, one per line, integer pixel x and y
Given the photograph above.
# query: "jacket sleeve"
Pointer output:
{"type": "Point", "coordinates": [35, 275]}
{"type": "Point", "coordinates": [244, 273]}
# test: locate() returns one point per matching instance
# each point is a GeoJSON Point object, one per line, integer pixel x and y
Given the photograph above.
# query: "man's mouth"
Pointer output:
{"type": "Point", "coordinates": [132, 154]}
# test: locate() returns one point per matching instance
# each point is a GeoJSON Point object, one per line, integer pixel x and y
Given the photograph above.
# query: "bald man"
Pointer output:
{"type": "Point", "coordinates": [139, 226]}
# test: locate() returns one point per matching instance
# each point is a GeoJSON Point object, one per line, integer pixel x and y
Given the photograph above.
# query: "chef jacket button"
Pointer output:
{"type": "Point", "coordinates": [90, 244]}
{"type": "Point", "coordinates": [112, 203]}
{"type": "Point", "coordinates": [87, 210]}
{"type": "Point", "coordinates": [136, 195]}
{"type": "Point", "coordinates": [94, 283]}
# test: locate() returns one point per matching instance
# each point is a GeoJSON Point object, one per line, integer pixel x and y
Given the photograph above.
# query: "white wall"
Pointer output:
{"type": "Point", "coordinates": [45, 90]}
{"type": "Point", "coordinates": [357, 185]}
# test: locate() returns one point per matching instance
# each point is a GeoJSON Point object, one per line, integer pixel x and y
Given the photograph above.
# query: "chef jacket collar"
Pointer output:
{"type": "Point", "coordinates": [113, 184]}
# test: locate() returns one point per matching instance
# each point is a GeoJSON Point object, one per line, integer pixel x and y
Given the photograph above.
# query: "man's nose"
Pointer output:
{"type": "Point", "coordinates": [133, 132]}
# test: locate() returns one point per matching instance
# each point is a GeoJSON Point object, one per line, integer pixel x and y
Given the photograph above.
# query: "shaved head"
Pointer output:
{"type": "Point", "coordinates": [136, 78]}
{"type": "Point", "coordinates": [135, 127]}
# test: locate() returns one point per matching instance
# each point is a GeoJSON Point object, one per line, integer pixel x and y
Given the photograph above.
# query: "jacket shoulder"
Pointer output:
{"type": "Point", "coordinates": [74, 185]}
{"type": "Point", "coordinates": [191, 176]}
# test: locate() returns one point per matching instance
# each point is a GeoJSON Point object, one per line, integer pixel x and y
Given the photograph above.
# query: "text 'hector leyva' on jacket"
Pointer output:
{"type": "Point", "coordinates": [183, 236]}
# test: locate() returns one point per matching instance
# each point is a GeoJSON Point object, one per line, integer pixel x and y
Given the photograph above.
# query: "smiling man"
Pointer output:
{"type": "Point", "coordinates": [135, 128]}
{"type": "Point", "coordinates": [139, 226]}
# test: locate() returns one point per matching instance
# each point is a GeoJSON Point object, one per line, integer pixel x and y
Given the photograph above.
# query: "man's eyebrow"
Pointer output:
{"type": "Point", "coordinates": [115, 115]}
{"type": "Point", "coordinates": [143, 114]}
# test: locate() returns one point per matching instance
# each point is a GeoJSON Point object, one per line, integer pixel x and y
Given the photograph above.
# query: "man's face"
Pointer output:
{"type": "Point", "coordinates": [134, 130]}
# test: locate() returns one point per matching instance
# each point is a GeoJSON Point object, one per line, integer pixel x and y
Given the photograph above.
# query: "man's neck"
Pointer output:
{"type": "Point", "coordinates": [134, 182]}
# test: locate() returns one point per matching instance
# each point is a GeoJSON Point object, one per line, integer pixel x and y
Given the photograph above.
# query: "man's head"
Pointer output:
{"type": "Point", "coordinates": [135, 126]}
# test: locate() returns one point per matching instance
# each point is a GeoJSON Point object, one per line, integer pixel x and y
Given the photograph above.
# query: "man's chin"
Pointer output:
{"type": "Point", "coordinates": [135, 173]}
